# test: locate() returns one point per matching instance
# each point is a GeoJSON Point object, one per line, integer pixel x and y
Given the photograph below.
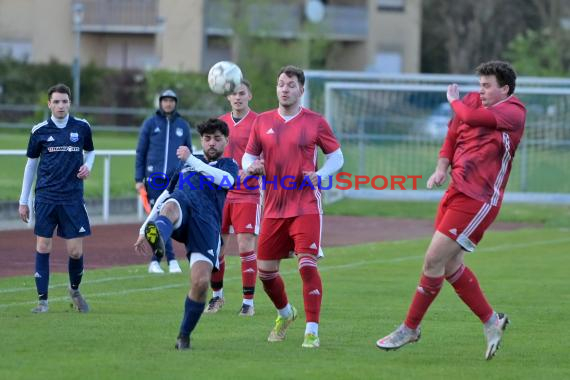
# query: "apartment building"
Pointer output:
{"type": "Point", "coordinates": [190, 35]}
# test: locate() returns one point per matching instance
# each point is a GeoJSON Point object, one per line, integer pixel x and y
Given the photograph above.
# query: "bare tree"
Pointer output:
{"type": "Point", "coordinates": [475, 31]}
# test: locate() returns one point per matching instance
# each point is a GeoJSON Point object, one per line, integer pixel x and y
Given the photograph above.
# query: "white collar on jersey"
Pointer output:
{"type": "Point", "coordinates": [239, 121]}
{"type": "Point", "coordinates": [289, 117]}
{"type": "Point", "coordinates": [60, 123]}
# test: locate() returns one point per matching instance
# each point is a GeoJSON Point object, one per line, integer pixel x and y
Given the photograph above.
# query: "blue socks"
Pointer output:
{"type": "Point", "coordinates": [192, 312]}
{"type": "Point", "coordinates": [75, 267]}
{"type": "Point", "coordinates": [42, 275]}
{"type": "Point", "coordinates": [169, 250]}
{"type": "Point", "coordinates": [164, 226]}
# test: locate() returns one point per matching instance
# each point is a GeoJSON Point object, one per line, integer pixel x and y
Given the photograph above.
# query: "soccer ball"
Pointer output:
{"type": "Point", "coordinates": [224, 77]}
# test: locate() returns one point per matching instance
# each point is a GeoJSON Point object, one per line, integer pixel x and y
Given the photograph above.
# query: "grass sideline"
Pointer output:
{"type": "Point", "coordinates": [135, 316]}
{"type": "Point", "coordinates": [547, 215]}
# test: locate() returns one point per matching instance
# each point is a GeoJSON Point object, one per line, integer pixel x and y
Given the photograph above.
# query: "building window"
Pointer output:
{"type": "Point", "coordinates": [387, 62]}
{"type": "Point", "coordinates": [391, 5]}
{"type": "Point", "coordinates": [18, 50]}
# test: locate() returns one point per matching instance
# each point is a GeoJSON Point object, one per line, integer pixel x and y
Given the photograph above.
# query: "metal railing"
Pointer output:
{"type": "Point", "coordinates": [125, 16]}
{"type": "Point", "coordinates": [341, 22]}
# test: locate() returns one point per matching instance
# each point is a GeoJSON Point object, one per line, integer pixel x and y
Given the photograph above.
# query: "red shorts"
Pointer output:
{"type": "Point", "coordinates": [464, 219]}
{"type": "Point", "coordinates": [301, 234]}
{"type": "Point", "coordinates": [241, 218]}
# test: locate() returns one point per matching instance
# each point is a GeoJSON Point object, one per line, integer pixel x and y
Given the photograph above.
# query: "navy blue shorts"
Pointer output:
{"type": "Point", "coordinates": [199, 231]}
{"type": "Point", "coordinates": [71, 220]}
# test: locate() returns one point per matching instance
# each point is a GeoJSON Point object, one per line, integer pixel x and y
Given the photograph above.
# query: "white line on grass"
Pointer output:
{"type": "Point", "coordinates": [231, 279]}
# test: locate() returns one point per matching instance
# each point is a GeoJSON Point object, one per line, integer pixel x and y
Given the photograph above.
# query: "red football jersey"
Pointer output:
{"type": "Point", "coordinates": [290, 148]}
{"type": "Point", "coordinates": [481, 144]}
{"type": "Point", "coordinates": [239, 136]}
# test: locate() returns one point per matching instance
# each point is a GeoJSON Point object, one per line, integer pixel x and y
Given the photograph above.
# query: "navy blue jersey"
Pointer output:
{"type": "Point", "coordinates": [201, 191]}
{"type": "Point", "coordinates": [60, 151]}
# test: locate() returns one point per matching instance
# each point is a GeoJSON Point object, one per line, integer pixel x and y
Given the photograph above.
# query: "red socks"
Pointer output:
{"type": "Point", "coordinates": [426, 292]}
{"type": "Point", "coordinates": [217, 280]}
{"type": "Point", "coordinates": [312, 287]}
{"type": "Point", "coordinates": [274, 287]}
{"type": "Point", "coordinates": [467, 288]}
{"type": "Point", "coordinates": [248, 273]}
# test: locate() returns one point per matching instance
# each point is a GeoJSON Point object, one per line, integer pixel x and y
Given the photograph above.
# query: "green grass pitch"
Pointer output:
{"type": "Point", "coordinates": [131, 330]}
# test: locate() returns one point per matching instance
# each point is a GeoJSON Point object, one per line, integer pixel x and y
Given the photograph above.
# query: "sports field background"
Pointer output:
{"type": "Point", "coordinates": [392, 158]}
{"type": "Point", "coordinates": [131, 330]}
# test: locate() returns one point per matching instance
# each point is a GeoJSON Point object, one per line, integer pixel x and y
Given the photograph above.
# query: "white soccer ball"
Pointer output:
{"type": "Point", "coordinates": [224, 77]}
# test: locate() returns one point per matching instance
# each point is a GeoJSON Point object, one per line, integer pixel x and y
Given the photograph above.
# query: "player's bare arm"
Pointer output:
{"type": "Point", "coordinates": [439, 176]}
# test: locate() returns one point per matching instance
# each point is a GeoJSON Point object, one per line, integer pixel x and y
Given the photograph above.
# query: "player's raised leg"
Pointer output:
{"type": "Point", "coordinates": [441, 250]}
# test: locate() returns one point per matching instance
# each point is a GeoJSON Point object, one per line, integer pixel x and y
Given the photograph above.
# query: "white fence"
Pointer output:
{"type": "Point", "coordinates": [101, 154]}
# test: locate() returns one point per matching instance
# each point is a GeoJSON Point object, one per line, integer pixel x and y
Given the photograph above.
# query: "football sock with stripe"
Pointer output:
{"type": "Point", "coordinates": [274, 287]}
{"type": "Point", "coordinates": [467, 288]}
{"type": "Point", "coordinates": [217, 280]}
{"type": "Point", "coordinates": [426, 292]}
{"type": "Point", "coordinates": [312, 288]}
{"type": "Point", "coordinates": [248, 273]}
{"type": "Point", "coordinates": [42, 275]}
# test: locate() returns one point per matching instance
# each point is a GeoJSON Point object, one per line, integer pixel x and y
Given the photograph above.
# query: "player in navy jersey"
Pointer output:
{"type": "Point", "coordinates": [56, 149]}
{"type": "Point", "coordinates": [190, 211]}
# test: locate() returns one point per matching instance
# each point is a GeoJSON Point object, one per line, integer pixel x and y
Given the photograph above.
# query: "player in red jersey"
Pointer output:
{"type": "Point", "coordinates": [288, 138]}
{"type": "Point", "coordinates": [242, 210]}
{"type": "Point", "coordinates": [480, 145]}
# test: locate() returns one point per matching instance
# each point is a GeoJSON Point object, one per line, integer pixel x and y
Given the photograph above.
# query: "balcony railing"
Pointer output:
{"type": "Point", "coordinates": [121, 16]}
{"type": "Point", "coordinates": [343, 23]}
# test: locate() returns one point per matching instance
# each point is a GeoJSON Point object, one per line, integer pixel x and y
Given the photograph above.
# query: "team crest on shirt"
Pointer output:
{"type": "Point", "coordinates": [74, 136]}
{"type": "Point", "coordinates": [179, 132]}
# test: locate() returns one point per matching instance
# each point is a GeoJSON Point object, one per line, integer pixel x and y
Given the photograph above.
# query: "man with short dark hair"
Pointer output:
{"type": "Point", "coordinates": [288, 138]}
{"type": "Point", "coordinates": [190, 211]}
{"type": "Point", "coordinates": [160, 136]}
{"type": "Point", "coordinates": [63, 145]}
{"type": "Point", "coordinates": [479, 147]}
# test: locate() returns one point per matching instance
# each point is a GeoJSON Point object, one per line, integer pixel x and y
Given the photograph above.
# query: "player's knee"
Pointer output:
{"type": "Point", "coordinates": [200, 286]}
{"type": "Point", "coordinates": [75, 253]}
{"type": "Point", "coordinates": [246, 242]}
{"type": "Point", "coordinates": [433, 262]}
{"type": "Point", "coordinates": [170, 210]}
{"type": "Point", "coordinates": [43, 245]}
